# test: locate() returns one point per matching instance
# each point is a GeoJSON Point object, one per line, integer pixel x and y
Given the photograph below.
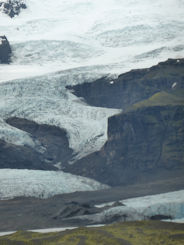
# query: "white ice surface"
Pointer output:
{"type": "Point", "coordinates": [42, 184]}
{"type": "Point", "coordinates": [118, 34]}
{"type": "Point", "coordinates": [46, 101]}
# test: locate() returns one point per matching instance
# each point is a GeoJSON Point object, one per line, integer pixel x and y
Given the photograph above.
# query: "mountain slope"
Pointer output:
{"type": "Point", "coordinates": [50, 150]}
{"type": "Point", "coordinates": [144, 143]}
{"type": "Point", "coordinates": [132, 86]}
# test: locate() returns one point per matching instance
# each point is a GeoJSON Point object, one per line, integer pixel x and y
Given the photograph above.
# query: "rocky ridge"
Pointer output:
{"type": "Point", "coordinates": [12, 7]}
{"type": "Point", "coordinates": [142, 144]}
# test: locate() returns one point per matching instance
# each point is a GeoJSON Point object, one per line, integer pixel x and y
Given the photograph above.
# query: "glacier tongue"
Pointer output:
{"type": "Point", "coordinates": [42, 184]}
{"type": "Point", "coordinates": [169, 204]}
{"type": "Point", "coordinates": [46, 101]}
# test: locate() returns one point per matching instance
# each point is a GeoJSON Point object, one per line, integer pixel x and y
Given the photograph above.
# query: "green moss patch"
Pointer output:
{"type": "Point", "coordinates": [128, 233]}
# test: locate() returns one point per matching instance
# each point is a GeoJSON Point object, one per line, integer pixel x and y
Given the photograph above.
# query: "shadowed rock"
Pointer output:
{"type": "Point", "coordinates": [160, 217]}
{"type": "Point", "coordinates": [52, 139]}
{"type": "Point", "coordinates": [5, 50]}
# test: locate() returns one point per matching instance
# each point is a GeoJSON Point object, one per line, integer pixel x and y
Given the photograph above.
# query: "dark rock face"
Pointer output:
{"type": "Point", "coordinates": [132, 86]}
{"type": "Point", "coordinates": [20, 157]}
{"type": "Point", "coordinates": [5, 50]}
{"type": "Point", "coordinates": [53, 140]}
{"type": "Point", "coordinates": [12, 7]}
{"type": "Point", "coordinates": [141, 143]}
{"type": "Point", "coordinates": [160, 217]}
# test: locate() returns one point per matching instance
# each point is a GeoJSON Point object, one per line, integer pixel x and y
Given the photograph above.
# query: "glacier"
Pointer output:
{"type": "Point", "coordinates": [42, 184]}
{"type": "Point", "coordinates": [111, 34]}
{"type": "Point", "coordinates": [141, 208]}
{"type": "Point", "coordinates": [59, 43]}
{"type": "Point", "coordinates": [46, 101]}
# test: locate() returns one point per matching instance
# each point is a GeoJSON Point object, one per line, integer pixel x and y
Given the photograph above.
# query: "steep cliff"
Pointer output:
{"type": "Point", "coordinates": [132, 86]}
{"type": "Point", "coordinates": [146, 142]}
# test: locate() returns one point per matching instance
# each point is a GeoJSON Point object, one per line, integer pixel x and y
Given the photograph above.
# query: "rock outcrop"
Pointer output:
{"type": "Point", "coordinates": [5, 50]}
{"type": "Point", "coordinates": [132, 86]}
{"type": "Point", "coordinates": [144, 143]}
{"type": "Point", "coordinates": [54, 144]}
{"type": "Point", "coordinates": [12, 7]}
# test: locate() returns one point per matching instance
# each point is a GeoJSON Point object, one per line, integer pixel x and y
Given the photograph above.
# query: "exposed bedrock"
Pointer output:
{"type": "Point", "coordinates": [132, 86]}
{"type": "Point", "coordinates": [5, 50]}
{"type": "Point", "coordinates": [143, 144]}
{"type": "Point", "coordinates": [54, 147]}
{"type": "Point", "coordinates": [12, 7]}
